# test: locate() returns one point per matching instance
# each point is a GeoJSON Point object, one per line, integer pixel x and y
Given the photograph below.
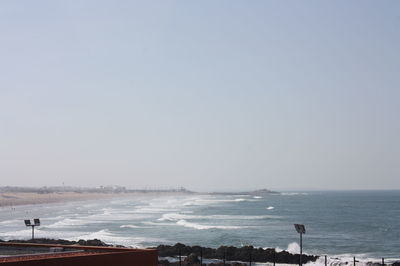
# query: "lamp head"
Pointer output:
{"type": "Point", "coordinates": [300, 228]}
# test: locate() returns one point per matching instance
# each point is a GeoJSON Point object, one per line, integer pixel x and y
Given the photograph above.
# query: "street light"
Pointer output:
{"type": "Point", "coordinates": [36, 222]}
{"type": "Point", "coordinates": [300, 228]}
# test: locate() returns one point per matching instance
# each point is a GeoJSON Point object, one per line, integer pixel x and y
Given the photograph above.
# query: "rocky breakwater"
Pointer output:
{"type": "Point", "coordinates": [242, 254]}
{"type": "Point", "coordinates": [91, 242]}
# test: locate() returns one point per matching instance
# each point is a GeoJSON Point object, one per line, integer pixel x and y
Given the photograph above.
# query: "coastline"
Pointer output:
{"type": "Point", "coordinates": [8, 199]}
{"type": "Point", "coordinates": [191, 254]}
{"type": "Point", "coordinates": [149, 219]}
{"type": "Point", "coordinates": [234, 256]}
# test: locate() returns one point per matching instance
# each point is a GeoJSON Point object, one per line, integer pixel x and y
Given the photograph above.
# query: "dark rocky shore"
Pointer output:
{"type": "Point", "coordinates": [191, 254]}
{"type": "Point", "coordinates": [243, 254]}
{"type": "Point", "coordinates": [92, 242]}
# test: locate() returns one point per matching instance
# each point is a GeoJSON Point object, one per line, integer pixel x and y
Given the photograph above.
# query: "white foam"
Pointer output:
{"type": "Point", "coordinates": [270, 208]}
{"type": "Point", "coordinates": [180, 216]}
{"type": "Point", "coordinates": [115, 215]}
{"type": "Point", "coordinates": [10, 222]}
{"type": "Point", "coordinates": [152, 210]}
{"type": "Point", "coordinates": [175, 217]}
{"type": "Point", "coordinates": [339, 259]}
{"type": "Point", "coordinates": [110, 238]}
{"type": "Point", "coordinates": [293, 248]}
{"type": "Point", "coordinates": [41, 233]}
{"type": "Point", "coordinates": [68, 222]}
{"type": "Point", "coordinates": [347, 259]}
{"type": "Point", "coordinates": [257, 197]}
{"type": "Point", "coordinates": [240, 200]}
{"type": "Point", "coordinates": [211, 201]}
{"type": "Point", "coordinates": [205, 227]}
{"type": "Point", "coordinates": [129, 226]}
{"type": "Point", "coordinates": [156, 224]}
{"type": "Point", "coordinates": [293, 193]}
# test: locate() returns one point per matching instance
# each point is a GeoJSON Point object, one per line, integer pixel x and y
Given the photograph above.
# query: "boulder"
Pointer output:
{"type": "Point", "coordinates": [192, 259]}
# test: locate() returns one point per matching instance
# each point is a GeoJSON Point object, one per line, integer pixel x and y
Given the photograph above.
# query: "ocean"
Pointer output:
{"type": "Point", "coordinates": [340, 224]}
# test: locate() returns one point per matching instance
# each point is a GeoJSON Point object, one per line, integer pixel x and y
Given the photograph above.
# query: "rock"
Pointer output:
{"type": "Point", "coordinates": [92, 242]}
{"type": "Point", "coordinates": [192, 259]}
{"type": "Point", "coordinates": [164, 263]}
{"type": "Point", "coordinates": [235, 254]}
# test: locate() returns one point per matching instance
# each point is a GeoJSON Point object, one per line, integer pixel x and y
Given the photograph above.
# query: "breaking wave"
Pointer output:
{"type": "Point", "coordinates": [129, 226]}
{"type": "Point", "coordinates": [205, 227]}
{"type": "Point", "coordinates": [110, 238]}
{"type": "Point", "coordinates": [68, 222]}
{"type": "Point", "coordinates": [293, 248]}
{"type": "Point", "coordinates": [294, 194]}
{"type": "Point", "coordinates": [240, 200]}
{"type": "Point", "coordinates": [210, 201]}
{"type": "Point", "coordinates": [179, 216]}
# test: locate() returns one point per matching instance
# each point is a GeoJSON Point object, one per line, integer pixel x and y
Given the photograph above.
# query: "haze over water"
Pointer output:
{"type": "Point", "coordinates": [339, 224]}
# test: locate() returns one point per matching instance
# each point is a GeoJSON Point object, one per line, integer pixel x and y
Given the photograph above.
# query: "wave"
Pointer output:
{"type": "Point", "coordinates": [55, 218]}
{"type": "Point", "coordinates": [178, 216]}
{"type": "Point", "coordinates": [153, 210]}
{"type": "Point", "coordinates": [19, 234]}
{"type": "Point", "coordinates": [293, 248]}
{"type": "Point", "coordinates": [10, 222]}
{"type": "Point", "coordinates": [39, 232]}
{"type": "Point", "coordinates": [347, 259]}
{"type": "Point", "coordinates": [270, 208]}
{"type": "Point", "coordinates": [240, 200]}
{"type": "Point", "coordinates": [114, 239]}
{"type": "Point", "coordinates": [174, 217]}
{"type": "Point", "coordinates": [293, 193]}
{"type": "Point", "coordinates": [156, 224]}
{"type": "Point", "coordinates": [129, 226]}
{"type": "Point", "coordinates": [116, 215]}
{"type": "Point", "coordinates": [257, 197]}
{"type": "Point", "coordinates": [205, 227]}
{"type": "Point", "coordinates": [68, 222]}
{"type": "Point", "coordinates": [339, 259]}
{"type": "Point", "coordinates": [211, 201]}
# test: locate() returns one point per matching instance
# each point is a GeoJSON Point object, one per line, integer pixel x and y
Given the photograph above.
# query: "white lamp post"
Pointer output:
{"type": "Point", "coordinates": [36, 222]}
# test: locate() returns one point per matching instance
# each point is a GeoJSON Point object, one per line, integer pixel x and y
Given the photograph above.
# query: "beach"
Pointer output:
{"type": "Point", "coordinates": [25, 198]}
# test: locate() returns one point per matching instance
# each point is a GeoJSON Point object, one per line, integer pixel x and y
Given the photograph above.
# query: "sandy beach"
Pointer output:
{"type": "Point", "coordinates": [25, 198]}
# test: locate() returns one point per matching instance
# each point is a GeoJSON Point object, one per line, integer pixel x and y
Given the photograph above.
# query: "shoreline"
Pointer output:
{"type": "Point", "coordinates": [191, 254]}
{"type": "Point", "coordinates": [10, 199]}
{"type": "Point", "coordinates": [234, 256]}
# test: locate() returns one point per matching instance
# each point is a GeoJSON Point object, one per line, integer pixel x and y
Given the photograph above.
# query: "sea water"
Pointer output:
{"type": "Point", "coordinates": [343, 224]}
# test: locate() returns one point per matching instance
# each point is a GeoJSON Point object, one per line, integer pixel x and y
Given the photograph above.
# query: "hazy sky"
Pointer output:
{"type": "Point", "coordinates": [210, 95]}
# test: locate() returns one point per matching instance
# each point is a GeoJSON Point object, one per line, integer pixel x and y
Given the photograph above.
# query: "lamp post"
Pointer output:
{"type": "Point", "coordinates": [300, 228]}
{"type": "Point", "coordinates": [36, 222]}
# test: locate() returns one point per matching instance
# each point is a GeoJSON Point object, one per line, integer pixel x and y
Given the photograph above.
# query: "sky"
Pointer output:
{"type": "Point", "coordinates": [208, 95]}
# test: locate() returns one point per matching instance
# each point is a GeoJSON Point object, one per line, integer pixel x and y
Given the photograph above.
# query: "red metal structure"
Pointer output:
{"type": "Point", "coordinates": [79, 255]}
